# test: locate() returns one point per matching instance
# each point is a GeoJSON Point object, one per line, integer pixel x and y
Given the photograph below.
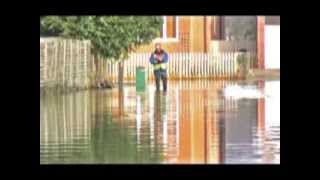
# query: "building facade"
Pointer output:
{"type": "Point", "coordinates": [199, 34]}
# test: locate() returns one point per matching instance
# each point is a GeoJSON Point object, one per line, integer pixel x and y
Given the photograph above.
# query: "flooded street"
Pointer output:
{"type": "Point", "coordinates": [196, 122]}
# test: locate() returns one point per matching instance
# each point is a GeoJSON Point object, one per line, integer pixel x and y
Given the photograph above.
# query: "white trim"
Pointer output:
{"type": "Point", "coordinates": [164, 29]}
{"type": "Point", "coordinates": [165, 40]}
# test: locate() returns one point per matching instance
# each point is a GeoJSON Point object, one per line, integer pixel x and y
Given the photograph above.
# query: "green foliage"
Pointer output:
{"type": "Point", "coordinates": [112, 37]}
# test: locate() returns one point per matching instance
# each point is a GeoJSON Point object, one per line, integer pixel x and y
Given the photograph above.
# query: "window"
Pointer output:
{"type": "Point", "coordinates": [233, 28]}
{"type": "Point", "coordinates": [170, 28]}
{"type": "Point", "coordinates": [240, 28]}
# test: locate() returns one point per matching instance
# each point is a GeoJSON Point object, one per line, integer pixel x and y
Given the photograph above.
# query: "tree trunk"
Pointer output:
{"type": "Point", "coordinates": [96, 75]}
{"type": "Point", "coordinates": [121, 104]}
{"type": "Point", "coordinates": [120, 75]}
{"type": "Point", "coordinates": [120, 86]}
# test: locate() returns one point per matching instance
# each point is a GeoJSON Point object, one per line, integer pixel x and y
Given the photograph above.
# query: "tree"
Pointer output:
{"type": "Point", "coordinates": [112, 37]}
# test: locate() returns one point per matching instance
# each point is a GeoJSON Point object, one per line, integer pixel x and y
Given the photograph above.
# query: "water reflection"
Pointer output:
{"type": "Point", "coordinates": [193, 123]}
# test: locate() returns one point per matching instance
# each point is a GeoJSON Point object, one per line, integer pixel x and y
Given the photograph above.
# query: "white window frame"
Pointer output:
{"type": "Point", "coordinates": [164, 31]}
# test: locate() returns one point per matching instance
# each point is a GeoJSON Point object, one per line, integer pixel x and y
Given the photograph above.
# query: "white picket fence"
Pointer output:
{"type": "Point", "coordinates": [183, 65]}
{"type": "Point", "coordinates": [69, 63]}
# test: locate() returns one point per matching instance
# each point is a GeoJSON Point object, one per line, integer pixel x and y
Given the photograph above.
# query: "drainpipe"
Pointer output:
{"type": "Point", "coordinates": [260, 41]}
{"type": "Point", "coordinates": [205, 33]}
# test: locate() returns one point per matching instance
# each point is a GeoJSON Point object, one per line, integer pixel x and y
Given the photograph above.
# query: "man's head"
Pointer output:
{"type": "Point", "coordinates": [158, 46]}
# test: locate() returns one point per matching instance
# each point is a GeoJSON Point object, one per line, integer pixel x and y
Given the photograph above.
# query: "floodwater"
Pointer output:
{"type": "Point", "coordinates": [196, 122]}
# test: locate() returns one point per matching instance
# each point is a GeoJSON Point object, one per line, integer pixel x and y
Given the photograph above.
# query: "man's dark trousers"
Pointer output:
{"type": "Point", "coordinates": [161, 74]}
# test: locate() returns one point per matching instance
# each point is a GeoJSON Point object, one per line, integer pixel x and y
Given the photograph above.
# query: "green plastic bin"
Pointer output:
{"type": "Point", "coordinates": [140, 78]}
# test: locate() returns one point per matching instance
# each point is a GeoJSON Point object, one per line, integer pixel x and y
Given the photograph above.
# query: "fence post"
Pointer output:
{"type": "Point", "coordinates": [78, 64]}
{"type": "Point", "coordinates": [85, 64]}
{"type": "Point", "coordinates": [186, 64]}
{"type": "Point", "coordinates": [74, 60]}
{"type": "Point", "coordinates": [214, 57]}
{"type": "Point", "coordinates": [54, 54]}
{"type": "Point", "coordinates": [178, 63]}
{"type": "Point", "coordinates": [176, 70]}
{"type": "Point", "coordinates": [218, 57]}
{"type": "Point", "coordinates": [64, 64]}
{"type": "Point", "coordinates": [131, 64]}
{"type": "Point", "coordinates": [218, 64]}
{"type": "Point", "coordinates": [229, 65]}
{"type": "Point", "coordinates": [181, 64]}
{"type": "Point", "coordinates": [126, 70]}
{"type": "Point", "coordinates": [134, 65]}
{"type": "Point", "coordinates": [232, 64]}
{"type": "Point", "coordinates": [129, 68]}
{"type": "Point", "coordinates": [194, 71]}
{"type": "Point", "coordinates": [170, 66]}
{"type": "Point", "coordinates": [221, 65]}
{"type": "Point", "coordinates": [57, 63]}
{"type": "Point", "coordinates": [45, 63]}
{"type": "Point", "coordinates": [53, 64]}
{"type": "Point", "coordinates": [183, 61]}
{"type": "Point", "coordinates": [189, 61]}
{"type": "Point", "coordinates": [70, 64]}
{"type": "Point", "coordinates": [197, 57]}
{"type": "Point", "coordinates": [224, 65]}
{"type": "Point", "coordinates": [83, 68]}
{"type": "Point", "coordinates": [207, 64]}
{"type": "Point", "coordinates": [203, 65]}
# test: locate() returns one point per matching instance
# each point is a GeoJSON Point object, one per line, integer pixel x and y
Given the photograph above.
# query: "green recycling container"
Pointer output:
{"type": "Point", "coordinates": [140, 79]}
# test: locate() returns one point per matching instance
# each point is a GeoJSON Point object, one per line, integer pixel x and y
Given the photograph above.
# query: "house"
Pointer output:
{"type": "Point", "coordinates": [199, 34]}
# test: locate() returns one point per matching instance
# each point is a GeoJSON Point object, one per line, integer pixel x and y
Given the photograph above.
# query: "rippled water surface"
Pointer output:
{"type": "Point", "coordinates": [202, 122]}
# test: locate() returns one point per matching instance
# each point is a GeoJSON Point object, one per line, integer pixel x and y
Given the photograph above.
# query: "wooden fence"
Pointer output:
{"type": "Point", "coordinates": [65, 63]}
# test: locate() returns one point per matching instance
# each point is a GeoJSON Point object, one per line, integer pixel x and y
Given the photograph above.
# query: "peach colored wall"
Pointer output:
{"type": "Point", "coordinates": [194, 36]}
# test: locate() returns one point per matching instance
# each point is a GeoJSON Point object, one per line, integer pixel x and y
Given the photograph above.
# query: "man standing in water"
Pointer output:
{"type": "Point", "coordinates": [159, 60]}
